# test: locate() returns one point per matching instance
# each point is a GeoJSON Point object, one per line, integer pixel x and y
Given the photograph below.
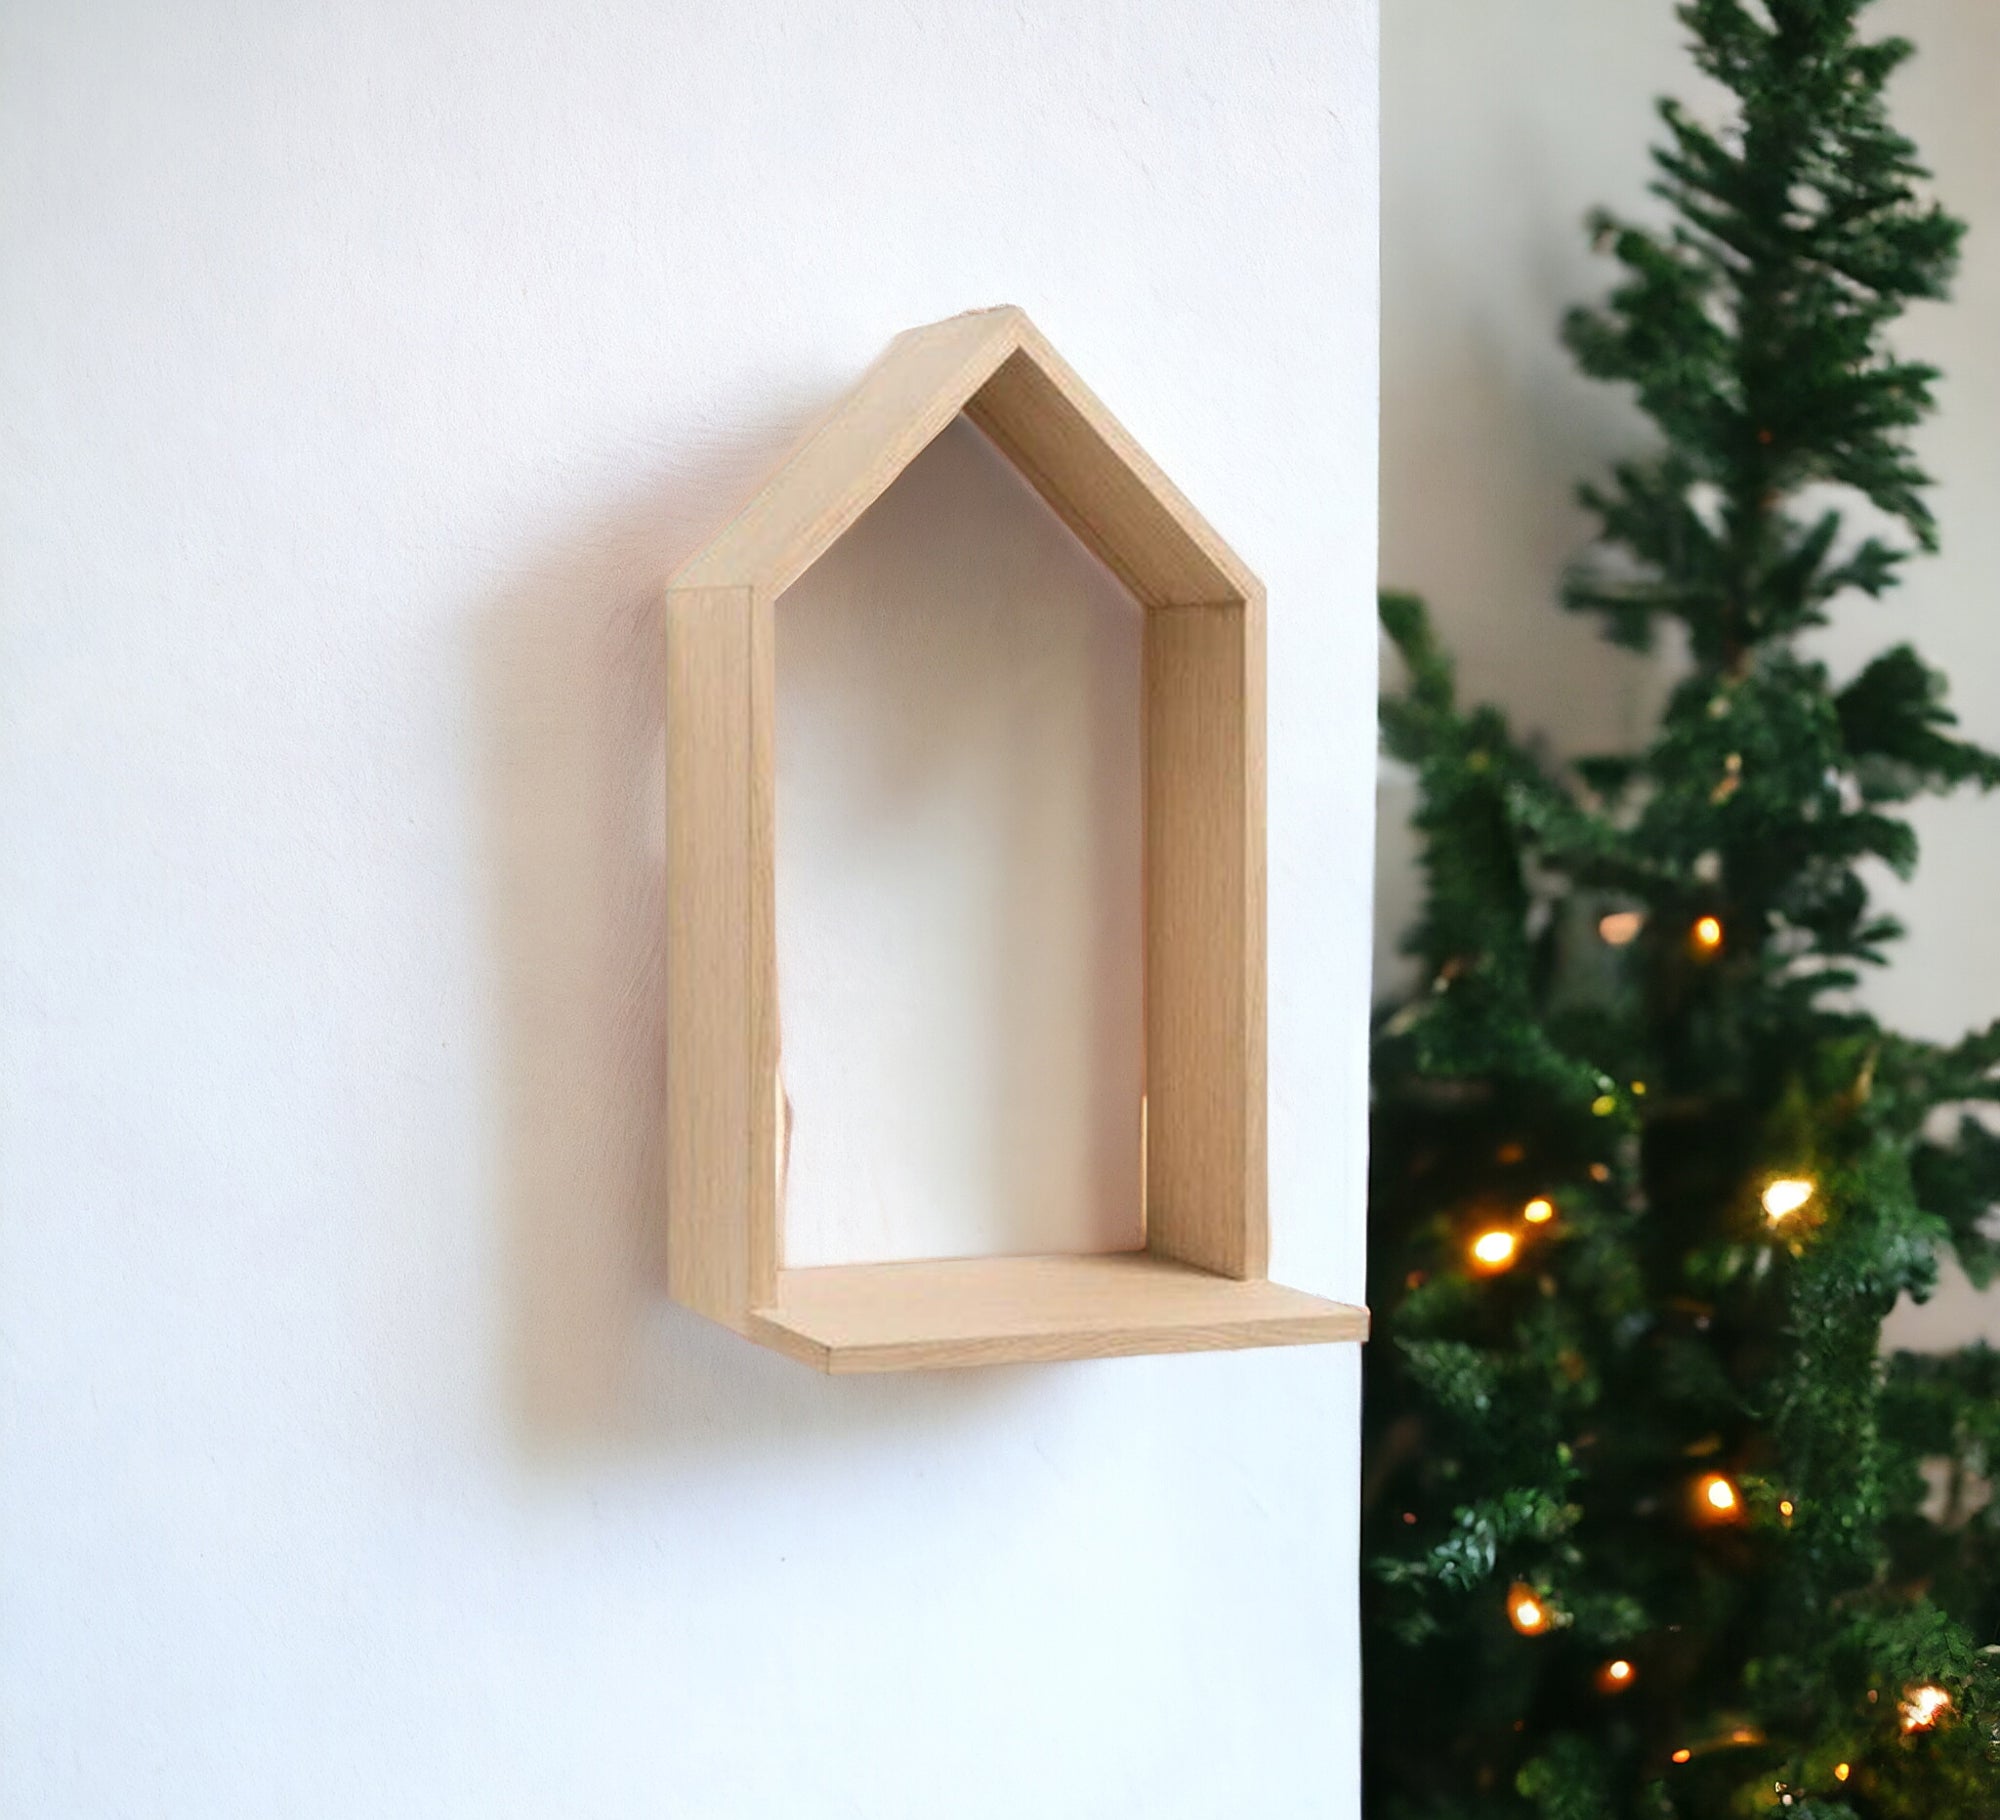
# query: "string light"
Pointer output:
{"type": "Point", "coordinates": [1683, 1755]}
{"type": "Point", "coordinates": [1495, 1250]}
{"type": "Point", "coordinates": [1785, 1197]}
{"type": "Point", "coordinates": [1717, 1499]}
{"type": "Point", "coordinates": [1924, 1706]}
{"type": "Point", "coordinates": [1525, 1610]}
{"type": "Point", "coordinates": [1604, 1105]}
{"type": "Point", "coordinates": [1706, 934]}
{"type": "Point", "coordinates": [1841, 1771]}
{"type": "Point", "coordinates": [1785, 1508]}
{"type": "Point", "coordinates": [1620, 927]}
{"type": "Point", "coordinates": [1615, 1677]}
{"type": "Point", "coordinates": [1539, 1211]}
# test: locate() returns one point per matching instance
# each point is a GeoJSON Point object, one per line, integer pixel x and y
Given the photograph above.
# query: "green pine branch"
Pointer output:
{"type": "Point", "coordinates": [1637, 1014]}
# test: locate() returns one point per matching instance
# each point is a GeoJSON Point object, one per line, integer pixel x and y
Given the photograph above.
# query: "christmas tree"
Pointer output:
{"type": "Point", "coordinates": [1651, 1528]}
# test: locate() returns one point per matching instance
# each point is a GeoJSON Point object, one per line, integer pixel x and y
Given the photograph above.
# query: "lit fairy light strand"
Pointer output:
{"type": "Point", "coordinates": [1616, 1676]}
{"type": "Point", "coordinates": [1785, 1197]}
{"type": "Point", "coordinates": [1717, 1499]}
{"type": "Point", "coordinates": [1527, 1610]}
{"type": "Point", "coordinates": [1924, 1706]}
{"type": "Point", "coordinates": [1620, 927]}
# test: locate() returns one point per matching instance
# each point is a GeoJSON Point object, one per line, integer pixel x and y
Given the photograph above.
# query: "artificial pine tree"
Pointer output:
{"type": "Point", "coordinates": [1652, 1529]}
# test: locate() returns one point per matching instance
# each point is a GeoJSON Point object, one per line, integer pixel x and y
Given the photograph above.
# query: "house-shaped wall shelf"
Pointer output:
{"type": "Point", "coordinates": [1200, 1283]}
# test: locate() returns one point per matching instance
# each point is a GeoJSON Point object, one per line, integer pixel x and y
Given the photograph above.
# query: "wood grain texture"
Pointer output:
{"type": "Point", "coordinates": [1200, 1284]}
{"type": "Point", "coordinates": [997, 1311]}
{"type": "Point", "coordinates": [1204, 870]}
{"type": "Point", "coordinates": [712, 961]}
{"type": "Point", "coordinates": [1099, 481]}
{"type": "Point", "coordinates": [850, 457]}
{"type": "Point", "coordinates": [999, 369]}
{"type": "Point", "coordinates": [768, 1137]}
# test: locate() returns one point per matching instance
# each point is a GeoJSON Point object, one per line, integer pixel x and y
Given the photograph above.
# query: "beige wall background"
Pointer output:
{"type": "Point", "coordinates": [1503, 122]}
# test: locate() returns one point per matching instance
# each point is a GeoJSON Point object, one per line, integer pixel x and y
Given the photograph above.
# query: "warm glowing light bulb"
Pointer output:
{"type": "Point", "coordinates": [1924, 1706]}
{"type": "Point", "coordinates": [1785, 1197]}
{"type": "Point", "coordinates": [1717, 1498]}
{"type": "Point", "coordinates": [1683, 1754]}
{"type": "Point", "coordinates": [1495, 1249]}
{"type": "Point", "coordinates": [1615, 1677]}
{"type": "Point", "coordinates": [1539, 1211]}
{"type": "Point", "coordinates": [1841, 1771]}
{"type": "Point", "coordinates": [1604, 1105]}
{"type": "Point", "coordinates": [1707, 933]}
{"type": "Point", "coordinates": [1620, 927]}
{"type": "Point", "coordinates": [1525, 1610]}
{"type": "Point", "coordinates": [1786, 1507]}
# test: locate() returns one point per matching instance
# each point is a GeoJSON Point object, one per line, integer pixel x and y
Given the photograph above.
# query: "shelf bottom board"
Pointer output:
{"type": "Point", "coordinates": [1000, 1311]}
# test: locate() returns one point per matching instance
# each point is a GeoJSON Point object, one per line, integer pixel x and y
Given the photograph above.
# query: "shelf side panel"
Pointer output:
{"type": "Point", "coordinates": [1204, 736]}
{"type": "Point", "coordinates": [713, 962]}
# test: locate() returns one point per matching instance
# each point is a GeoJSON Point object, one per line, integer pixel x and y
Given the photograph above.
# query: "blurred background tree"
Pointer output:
{"type": "Point", "coordinates": [1651, 1529]}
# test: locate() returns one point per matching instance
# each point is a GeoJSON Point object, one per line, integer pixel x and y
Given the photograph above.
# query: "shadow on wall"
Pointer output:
{"type": "Point", "coordinates": [569, 681]}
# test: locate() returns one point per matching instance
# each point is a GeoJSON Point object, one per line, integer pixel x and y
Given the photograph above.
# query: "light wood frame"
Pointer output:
{"type": "Point", "coordinates": [1200, 1282]}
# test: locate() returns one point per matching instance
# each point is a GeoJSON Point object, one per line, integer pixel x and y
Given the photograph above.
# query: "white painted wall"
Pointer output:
{"type": "Point", "coordinates": [1503, 122]}
{"type": "Point", "coordinates": [363, 371]}
{"type": "Point", "coordinates": [959, 904]}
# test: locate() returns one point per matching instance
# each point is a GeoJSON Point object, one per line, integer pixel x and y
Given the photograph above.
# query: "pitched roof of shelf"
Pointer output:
{"type": "Point", "coordinates": [998, 368]}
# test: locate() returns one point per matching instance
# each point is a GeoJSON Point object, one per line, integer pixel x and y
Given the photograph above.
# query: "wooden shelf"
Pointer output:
{"type": "Point", "coordinates": [1000, 1311]}
{"type": "Point", "coordinates": [1201, 1283]}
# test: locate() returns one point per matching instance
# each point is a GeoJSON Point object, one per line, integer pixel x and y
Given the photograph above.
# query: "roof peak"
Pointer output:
{"type": "Point", "coordinates": [997, 368]}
